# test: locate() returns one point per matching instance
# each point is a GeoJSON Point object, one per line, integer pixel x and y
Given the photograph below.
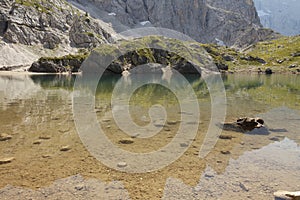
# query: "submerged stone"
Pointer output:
{"type": "Point", "coordinates": [172, 122]}
{"type": "Point", "coordinates": [6, 160]}
{"type": "Point", "coordinates": [45, 137]}
{"type": "Point", "coordinates": [4, 137]}
{"type": "Point", "coordinates": [122, 164]}
{"type": "Point", "coordinates": [126, 141]}
{"type": "Point", "coordinates": [225, 152]}
{"type": "Point", "coordinates": [225, 137]}
{"type": "Point", "coordinates": [65, 148]}
{"type": "Point", "coordinates": [285, 195]}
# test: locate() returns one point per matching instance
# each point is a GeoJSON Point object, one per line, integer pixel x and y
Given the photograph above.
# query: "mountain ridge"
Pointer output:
{"type": "Point", "coordinates": [236, 23]}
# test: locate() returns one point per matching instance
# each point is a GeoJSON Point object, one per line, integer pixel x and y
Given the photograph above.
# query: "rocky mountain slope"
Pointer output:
{"type": "Point", "coordinates": [51, 27]}
{"type": "Point", "coordinates": [280, 15]}
{"type": "Point", "coordinates": [231, 22]}
{"type": "Point", "coordinates": [49, 23]}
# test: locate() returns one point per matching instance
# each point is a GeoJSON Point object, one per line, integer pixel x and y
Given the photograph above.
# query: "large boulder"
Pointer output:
{"type": "Point", "coordinates": [244, 124]}
{"type": "Point", "coordinates": [70, 63]}
{"type": "Point", "coordinates": [269, 71]}
{"type": "Point", "coordinates": [46, 67]}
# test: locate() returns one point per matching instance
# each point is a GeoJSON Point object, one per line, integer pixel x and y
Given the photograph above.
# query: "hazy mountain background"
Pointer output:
{"type": "Point", "coordinates": [282, 16]}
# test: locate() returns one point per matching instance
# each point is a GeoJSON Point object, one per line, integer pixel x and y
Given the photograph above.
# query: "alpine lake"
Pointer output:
{"type": "Point", "coordinates": [42, 154]}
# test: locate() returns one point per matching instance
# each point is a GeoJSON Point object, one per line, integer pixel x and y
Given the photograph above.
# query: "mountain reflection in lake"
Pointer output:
{"type": "Point", "coordinates": [36, 111]}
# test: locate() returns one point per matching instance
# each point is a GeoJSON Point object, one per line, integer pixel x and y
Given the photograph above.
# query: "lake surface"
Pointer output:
{"type": "Point", "coordinates": [38, 112]}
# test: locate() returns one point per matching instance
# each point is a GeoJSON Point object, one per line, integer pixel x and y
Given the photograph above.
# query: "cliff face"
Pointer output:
{"type": "Point", "coordinates": [30, 29]}
{"type": "Point", "coordinates": [50, 23]}
{"type": "Point", "coordinates": [281, 15]}
{"type": "Point", "coordinates": [230, 21]}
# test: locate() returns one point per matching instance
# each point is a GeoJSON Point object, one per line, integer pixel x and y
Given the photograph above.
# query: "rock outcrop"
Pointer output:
{"type": "Point", "coordinates": [69, 63]}
{"type": "Point", "coordinates": [233, 23]}
{"type": "Point", "coordinates": [185, 57]}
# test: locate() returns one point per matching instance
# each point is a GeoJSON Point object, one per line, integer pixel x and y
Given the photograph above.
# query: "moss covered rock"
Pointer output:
{"type": "Point", "coordinates": [69, 63]}
{"type": "Point", "coordinates": [186, 57]}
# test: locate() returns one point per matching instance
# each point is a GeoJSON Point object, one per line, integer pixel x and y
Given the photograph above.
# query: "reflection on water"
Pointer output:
{"type": "Point", "coordinates": [36, 110]}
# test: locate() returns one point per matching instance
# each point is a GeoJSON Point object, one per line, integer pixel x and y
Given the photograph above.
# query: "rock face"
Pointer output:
{"type": "Point", "coordinates": [280, 15]}
{"type": "Point", "coordinates": [229, 22]}
{"type": "Point", "coordinates": [49, 23]}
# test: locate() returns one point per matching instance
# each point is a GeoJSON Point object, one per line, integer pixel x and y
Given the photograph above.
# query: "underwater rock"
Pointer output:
{"type": "Point", "coordinates": [65, 148]}
{"type": "Point", "coordinates": [225, 152]}
{"type": "Point", "coordinates": [122, 164]}
{"type": "Point", "coordinates": [6, 160]}
{"type": "Point", "coordinates": [126, 141]}
{"type": "Point", "coordinates": [5, 137]}
{"type": "Point", "coordinates": [285, 195]}
{"type": "Point", "coordinates": [225, 137]}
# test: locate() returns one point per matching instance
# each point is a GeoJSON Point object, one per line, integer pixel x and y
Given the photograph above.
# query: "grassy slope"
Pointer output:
{"type": "Point", "coordinates": [278, 50]}
{"type": "Point", "coordinates": [277, 54]}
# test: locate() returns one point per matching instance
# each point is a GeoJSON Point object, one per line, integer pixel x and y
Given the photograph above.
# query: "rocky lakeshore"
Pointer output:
{"type": "Point", "coordinates": [284, 59]}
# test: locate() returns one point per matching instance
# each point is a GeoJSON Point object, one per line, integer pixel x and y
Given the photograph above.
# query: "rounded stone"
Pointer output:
{"type": "Point", "coordinates": [106, 120]}
{"type": "Point", "coordinates": [45, 137]}
{"type": "Point", "coordinates": [6, 160]}
{"type": "Point", "coordinates": [183, 145]}
{"type": "Point", "coordinates": [122, 164]}
{"type": "Point", "coordinates": [172, 122]}
{"type": "Point", "coordinates": [65, 148]}
{"type": "Point", "coordinates": [225, 152]}
{"type": "Point", "coordinates": [37, 142]}
{"type": "Point", "coordinates": [167, 129]}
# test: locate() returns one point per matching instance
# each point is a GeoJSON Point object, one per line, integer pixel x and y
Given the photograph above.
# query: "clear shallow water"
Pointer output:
{"type": "Point", "coordinates": [33, 106]}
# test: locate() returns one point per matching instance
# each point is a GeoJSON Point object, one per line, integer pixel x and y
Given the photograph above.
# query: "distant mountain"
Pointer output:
{"type": "Point", "coordinates": [282, 16]}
